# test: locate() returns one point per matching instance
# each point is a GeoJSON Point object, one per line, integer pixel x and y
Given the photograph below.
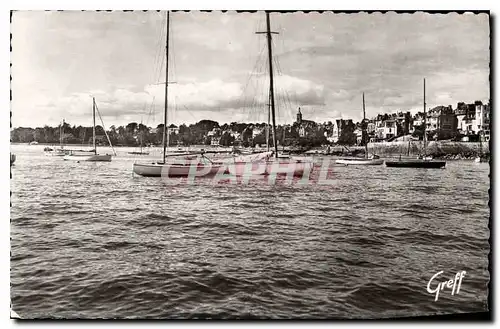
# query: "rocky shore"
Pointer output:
{"type": "Point", "coordinates": [445, 150]}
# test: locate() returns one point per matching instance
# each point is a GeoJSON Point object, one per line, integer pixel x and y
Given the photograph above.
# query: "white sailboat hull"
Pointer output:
{"type": "Point", "coordinates": [88, 157]}
{"type": "Point", "coordinates": [177, 170]}
{"type": "Point", "coordinates": [56, 153]}
{"type": "Point", "coordinates": [360, 162]}
{"type": "Point", "coordinates": [271, 167]}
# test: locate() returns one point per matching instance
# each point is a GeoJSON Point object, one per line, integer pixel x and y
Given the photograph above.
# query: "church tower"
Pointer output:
{"type": "Point", "coordinates": [299, 117]}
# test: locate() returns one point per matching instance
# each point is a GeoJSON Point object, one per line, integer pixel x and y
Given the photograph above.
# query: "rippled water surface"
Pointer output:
{"type": "Point", "coordinates": [90, 240]}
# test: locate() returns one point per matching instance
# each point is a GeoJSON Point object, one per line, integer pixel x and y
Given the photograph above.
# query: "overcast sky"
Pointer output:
{"type": "Point", "coordinates": [323, 64]}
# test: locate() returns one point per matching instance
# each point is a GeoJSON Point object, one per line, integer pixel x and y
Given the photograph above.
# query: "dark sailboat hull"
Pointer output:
{"type": "Point", "coordinates": [416, 164]}
{"type": "Point", "coordinates": [139, 153]}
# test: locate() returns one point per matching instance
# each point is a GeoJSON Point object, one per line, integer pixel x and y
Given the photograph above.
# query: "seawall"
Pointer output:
{"type": "Point", "coordinates": [434, 148]}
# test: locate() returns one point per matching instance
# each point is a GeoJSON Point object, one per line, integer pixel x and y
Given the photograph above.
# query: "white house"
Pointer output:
{"type": "Point", "coordinates": [386, 129]}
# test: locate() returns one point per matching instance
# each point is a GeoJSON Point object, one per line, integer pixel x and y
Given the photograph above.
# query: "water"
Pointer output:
{"type": "Point", "coordinates": [90, 240]}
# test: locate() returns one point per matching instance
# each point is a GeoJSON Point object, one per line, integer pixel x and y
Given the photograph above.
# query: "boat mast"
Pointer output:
{"type": "Point", "coordinates": [364, 127]}
{"type": "Point", "coordinates": [268, 124]}
{"type": "Point", "coordinates": [140, 135]}
{"type": "Point", "coordinates": [425, 125]}
{"type": "Point", "coordinates": [60, 134]}
{"type": "Point", "coordinates": [284, 132]}
{"type": "Point", "coordinates": [165, 118]}
{"type": "Point", "coordinates": [271, 81]}
{"type": "Point", "coordinates": [93, 128]}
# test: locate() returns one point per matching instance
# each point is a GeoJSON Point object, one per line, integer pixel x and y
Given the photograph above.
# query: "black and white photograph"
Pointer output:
{"type": "Point", "coordinates": [170, 164]}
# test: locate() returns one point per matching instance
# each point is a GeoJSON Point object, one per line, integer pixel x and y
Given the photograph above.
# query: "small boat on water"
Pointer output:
{"type": "Point", "coordinates": [138, 153]}
{"type": "Point", "coordinates": [57, 152]}
{"type": "Point", "coordinates": [416, 163]}
{"type": "Point", "coordinates": [180, 169]}
{"type": "Point", "coordinates": [373, 160]}
{"type": "Point", "coordinates": [195, 166]}
{"type": "Point", "coordinates": [60, 151]}
{"type": "Point", "coordinates": [12, 158]}
{"type": "Point", "coordinates": [280, 167]}
{"type": "Point", "coordinates": [424, 161]}
{"type": "Point", "coordinates": [88, 157]}
{"type": "Point", "coordinates": [85, 156]}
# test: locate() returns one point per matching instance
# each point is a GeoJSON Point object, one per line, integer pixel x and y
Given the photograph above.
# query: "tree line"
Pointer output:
{"type": "Point", "coordinates": [308, 134]}
{"type": "Point", "coordinates": [200, 133]}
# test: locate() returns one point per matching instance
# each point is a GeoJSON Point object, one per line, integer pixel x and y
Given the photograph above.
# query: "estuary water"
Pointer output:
{"type": "Point", "coordinates": [91, 240]}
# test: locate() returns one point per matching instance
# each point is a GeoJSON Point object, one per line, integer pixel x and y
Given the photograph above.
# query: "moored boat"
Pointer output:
{"type": "Point", "coordinates": [373, 160]}
{"type": "Point", "coordinates": [272, 166]}
{"type": "Point", "coordinates": [271, 163]}
{"type": "Point", "coordinates": [60, 151]}
{"type": "Point", "coordinates": [88, 157]}
{"type": "Point", "coordinates": [359, 161]}
{"type": "Point", "coordinates": [138, 153]}
{"type": "Point", "coordinates": [196, 166]}
{"type": "Point", "coordinates": [56, 152]}
{"type": "Point", "coordinates": [12, 158]}
{"type": "Point", "coordinates": [416, 163]}
{"type": "Point", "coordinates": [93, 156]}
{"type": "Point", "coordinates": [176, 169]}
{"type": "Point", "coordinates": [424, 161]}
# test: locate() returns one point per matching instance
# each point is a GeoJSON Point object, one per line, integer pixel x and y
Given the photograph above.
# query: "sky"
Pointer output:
{"type": "Point", "coordinates": [218, 67]}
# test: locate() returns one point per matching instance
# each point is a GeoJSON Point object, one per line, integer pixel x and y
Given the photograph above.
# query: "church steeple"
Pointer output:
{"type": "Point", "coordinates": [299, 117]}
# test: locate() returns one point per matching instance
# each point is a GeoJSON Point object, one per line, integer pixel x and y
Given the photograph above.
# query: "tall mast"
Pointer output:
{"type": "Point", "coordinates": [93, 128]}
{"type": "Point", "coordinates": [425, 125]}
{"type": "Point", "coordinates": [60, 135]}
{"type": "Point", "coordinates": [364, 128]}
{"type": "Point", "coordinates": [284, 132]}
{"type": "Point", "coordinates": [140, 135]}
{"type": "Point", "coordinates": [165, 118]}
{"type": "Point", "coordinates": [271, 81]}
{"type": "Point", "coordinates": [268, 124]}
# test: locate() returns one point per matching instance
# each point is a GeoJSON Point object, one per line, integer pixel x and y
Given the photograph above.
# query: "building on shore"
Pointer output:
{"type": "Point", "coordinates": [386, 129]}
{"type": "Point", "coordinates": [339, 127]}
{"type": "Point", "coordinates": [305, 127]}
{"type": "Point", "coordinates": [483, 120]}
{"type": "Point", "coordinates": [473, 119]}
{"type": "Point", "coordinates": [442, 122]}
{"type": "Point", "coordinates": [215, 141]}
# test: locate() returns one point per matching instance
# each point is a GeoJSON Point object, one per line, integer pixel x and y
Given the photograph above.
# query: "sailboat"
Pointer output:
{"type": "Point", "coordinates": [423, 161]}
{"type": "Point", "coordinates": [201, 166]}
{"type": "Point", "coordinates": [271, 162]}
{"type": "Point", "coordinates": [93, 156]}
{"type": "Point", "coordinates": [141, 141]}
{"type": "Point", "coordinates": [60, 151]}
{"type": "Point", "coordinates": [368, 160]}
